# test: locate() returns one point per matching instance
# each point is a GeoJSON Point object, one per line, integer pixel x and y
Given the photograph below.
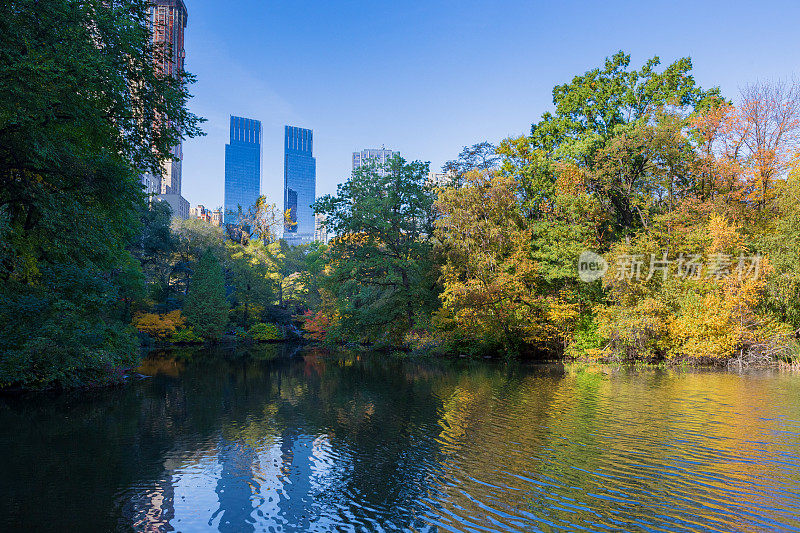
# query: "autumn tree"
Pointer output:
{"type": "Point", "coordinates": [259, 221]}
{"type": "Point", "coordinates": [489, 277]}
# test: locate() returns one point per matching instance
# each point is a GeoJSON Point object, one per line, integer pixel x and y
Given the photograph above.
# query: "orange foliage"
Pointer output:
{"type": "Point", "coordinates": [744, 149]}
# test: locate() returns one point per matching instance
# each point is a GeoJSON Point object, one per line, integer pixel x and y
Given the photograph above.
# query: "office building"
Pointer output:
{"type": "Point", "coordinates": [299, 184]}
{"type": "Point", "coordinates": [373, 156]}
{"type": "Point", "coordinates": [177, 203]}
{"type": "Point", "coordinates": [216, 217]}
{"type": "Point", "coordinates": [440, 179]}
{"type": "Point", "coordinates": [242, 167]}
{"type": "Point", "coordinates": [320, 228]}
{"type": "Point", "coordinates": [167, 23]}
{"type": "Point", "coordinates": [213, 217]}
{"type": "Point", "coordinates": [151, 184]}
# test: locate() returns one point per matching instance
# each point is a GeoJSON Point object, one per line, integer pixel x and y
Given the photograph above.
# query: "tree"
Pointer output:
{"type": "Point", "coordinates": [380, 263]}
{"type": "Point", "coordinates": [595, 115]}
{"type": "Point", "coordinates": [489, 277]}
{"type": "Point", "coordinates": [782, 243]}
{"type": "Point", "coordinates": [84, 112]}
{"type": "Point", "coordinates": [251, 279]}
{"type": "Point", "coordinates": [480, 156]}
{"type": "Point", "coordinates": [259, 221]}
{"type": "Point", "coordinates": [206, 308]}
{"type": "Point", "coordinates": [191, 239]}
{"type": "Point", "coordinates": [153, 247]}
{"type": "Point", "coordinates": [748, 147]}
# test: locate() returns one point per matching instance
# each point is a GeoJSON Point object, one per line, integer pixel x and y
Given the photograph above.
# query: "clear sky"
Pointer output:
{"type": "Point", "coordinates": [428, 77]}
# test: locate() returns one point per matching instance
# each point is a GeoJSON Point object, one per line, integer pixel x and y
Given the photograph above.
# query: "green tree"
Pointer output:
{"type": "Point", "coordinates": [191, 239]}
{"type": "Point", "coordinates": [288, 262]}
{"type": "Point", "coordinates": [82, 114]}
{"type": "Point", "coordinates": [154, 248]}
{"type": "Point", "coordinates": [252, 280]}
{"type": "Point", "coordinates": [600, 123]}
{"type": "Point", "coordinates": [782, 243]}
{"type": "Point", "coordinates": [381, 268]}
{"type": "Point", "coordinates": [480, 156]}
{"type": "Point", "coordinates": [206, 308]}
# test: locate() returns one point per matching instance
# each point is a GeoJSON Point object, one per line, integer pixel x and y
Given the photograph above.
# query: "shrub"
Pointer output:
{"type": "Point", "coordinates": [317, 325]}
{"type": "Point", "coordinates": [185, 336]}
{"type": "Point", "coordinates": [161, 327]}
{"type": "Point", "coordinates": [638, 332]}
{"type": "Point", "coordinates": [420, 340]}
{"type": "Point", "coordinates": [586, 341]}
{"type": "Point", "coordinates": [264, 332]}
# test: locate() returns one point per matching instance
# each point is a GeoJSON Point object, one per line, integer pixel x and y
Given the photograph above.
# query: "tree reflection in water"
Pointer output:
{"type": "Point", "coordinates": [250, 441]}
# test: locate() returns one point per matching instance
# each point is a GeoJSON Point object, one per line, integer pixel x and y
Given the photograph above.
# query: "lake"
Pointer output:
{"type": "Point", "coordinates": [279, 438]}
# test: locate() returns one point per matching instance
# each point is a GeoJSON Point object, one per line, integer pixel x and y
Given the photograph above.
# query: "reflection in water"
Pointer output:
{"type": "Point", "coordinates": [235, 488]}
{"type": "Point", "coordinates": [262, 441]}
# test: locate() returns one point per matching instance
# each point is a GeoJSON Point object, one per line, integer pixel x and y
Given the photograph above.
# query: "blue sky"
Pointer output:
{"type": "Point", "coordinates": [428, 77]}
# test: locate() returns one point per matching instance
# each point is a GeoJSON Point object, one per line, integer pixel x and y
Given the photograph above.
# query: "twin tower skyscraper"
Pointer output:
{"type": "Point", "coordinates": [243, 176]}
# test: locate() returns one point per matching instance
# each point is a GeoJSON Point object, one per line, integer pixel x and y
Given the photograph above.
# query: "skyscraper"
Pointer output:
{"type": "Point", "coordinates": [377, 156]}
{"type": "Point", "coordinates": [242, 167]}
{"type": "Point", "coordinates": [167, 22]}
{"type": "Point", "coordinates": [299, 184]}
{"type": "Point", "coordinates": [321, 228]}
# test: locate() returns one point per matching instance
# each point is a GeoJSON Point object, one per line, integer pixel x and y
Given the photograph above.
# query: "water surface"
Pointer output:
{"type": "Point", "coordinates": [273, 440]}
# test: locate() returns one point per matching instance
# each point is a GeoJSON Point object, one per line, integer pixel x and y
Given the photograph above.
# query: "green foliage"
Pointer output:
{"type": "Point", "coordinates": [782, 242]}
{"type": "Point", "coordinates": [586, 342]}
{"type": "Point", "coordinates": [206, 308]}
{"type": "Point", "coordinates": [264, 332]}
{"type": "Point", "coordinates": [185, 336]}
{"type": "Point", "coordinates": [380, 264]}
{"type": "Point", "coordinates": [64, 332]}
{"type": "Point", "coordinates": [79, 101]}
{"type": "Point", "coordinates": [251, 276]}
{"type": "Point", "coordinates": [154, 248]}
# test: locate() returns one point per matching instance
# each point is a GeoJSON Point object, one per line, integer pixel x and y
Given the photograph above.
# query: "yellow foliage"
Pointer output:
{"type": "Point", "coordinates": [705, 328]}
{"type": "Point", "coordinates": [571, 179]}
{"type": "Point", "coordinates": [704, 317]}
{"type": "Point", "coordinates": [159, 326]}
{"type": "Point", "coordinates": [725, 237]}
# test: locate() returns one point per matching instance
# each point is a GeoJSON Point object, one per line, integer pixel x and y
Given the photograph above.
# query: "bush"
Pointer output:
{"type": "Point", "coordinates": [317, 325]}
{"type": "Point", "coordinates": [161, 327]}
{"type": "Point", "coordinates": [264, 332]}
{"type": "Point", "coordinates": [424, 341]}
{"type": "Point", "coordinates": [638, 332]}
{"type": "Point", "coordinates": [185, 336]}
{"type": "Point", "coordinates": [586, 341]}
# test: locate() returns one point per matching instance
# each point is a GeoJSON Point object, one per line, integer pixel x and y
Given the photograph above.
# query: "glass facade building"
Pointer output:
{"type": "Point", "coordinates": [299, 184]}
{"type": "Point", "coordinates": [242, 167]}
